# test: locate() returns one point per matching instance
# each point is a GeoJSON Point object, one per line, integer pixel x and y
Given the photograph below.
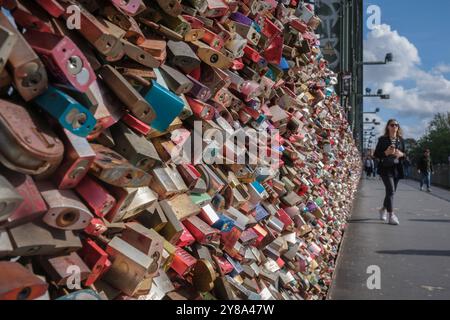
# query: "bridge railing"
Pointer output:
{"type": "Point", "coordinates": [440, 178]}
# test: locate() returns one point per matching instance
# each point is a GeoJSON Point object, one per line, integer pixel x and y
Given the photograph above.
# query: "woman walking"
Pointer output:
{"type": "Point", "coordinates": [391, 152]}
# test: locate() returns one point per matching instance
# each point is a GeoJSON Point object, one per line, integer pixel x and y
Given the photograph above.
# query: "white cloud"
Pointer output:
{"type": "Point", "coordinates": [416, 94]}
{"type": "Point", "coordinates": [441, 69]}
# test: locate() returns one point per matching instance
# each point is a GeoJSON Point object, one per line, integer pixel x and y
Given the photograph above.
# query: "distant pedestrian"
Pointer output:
{"type": "Point", "coordinates": [407, 166]}
{"type": "Point", "coordinates": [376, 164]}
{"type": "Point", "coordinates": [425, 169]}
{"type": "Point", "coordinates": [369, 166]}
{"type": "Point", "coordinates": [391, 152]}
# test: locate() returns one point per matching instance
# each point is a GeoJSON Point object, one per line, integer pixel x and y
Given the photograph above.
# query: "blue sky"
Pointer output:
{"type": "Point", "coordinates": [417, 32]}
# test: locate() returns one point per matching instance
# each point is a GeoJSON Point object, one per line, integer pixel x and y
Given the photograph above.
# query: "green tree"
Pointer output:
{"type": "Point", "coordinates": [437, 139]}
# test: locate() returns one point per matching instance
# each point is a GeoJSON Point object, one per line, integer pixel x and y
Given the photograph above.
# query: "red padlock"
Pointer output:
{"type": "Point", "coordinates": [55, 9]}
{"type": "Point", "coordinates": [32, 207]}
{"type": "Point", "coordinates": [96, 227]}
{"type": "Point", "coordinates": [182, 262]}
{"type": "Point", "coordinates": [78, 158]}
{"type": "Point", "coordinates": [63, 59]}
{"type": "Point", "coordinates": [201, 231]}
{"type": "Point", "coordinates": [186, 238]}
{"type": "Point", "coordinates": [95, 258]}
{"type": "Point", "coordinates": [136, 124]}
{"type": "Point", "coordinates": [96, 197]}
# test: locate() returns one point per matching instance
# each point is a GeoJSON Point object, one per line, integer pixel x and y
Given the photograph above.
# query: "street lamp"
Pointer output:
{"type": "Point", "coordinates": [373, 112]}
{"type": "Point", "coordinates": [388, 58]}
{"type": "Point", "coordinates": [379, 94]}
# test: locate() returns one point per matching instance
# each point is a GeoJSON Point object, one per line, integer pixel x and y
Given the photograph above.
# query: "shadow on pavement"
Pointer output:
{"type": "Point", "coordinates": [365, 221]}
{"type": "Point", "coordinates": [437, 253]}
{"type": "Point", "coordinates": [431, 220]}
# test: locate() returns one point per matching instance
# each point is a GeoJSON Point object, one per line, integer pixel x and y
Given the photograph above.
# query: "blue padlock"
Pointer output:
{"type": "Point", "coordinates": [224, 224]}
{"type": "Point", "coordinates": [261, 213]}
{"type": "Point", "coordinates": [284, 64]}
{"type": "Point", "coordinates": [166, 104]}
{"type": "Point", "coordinates": [69, 113]}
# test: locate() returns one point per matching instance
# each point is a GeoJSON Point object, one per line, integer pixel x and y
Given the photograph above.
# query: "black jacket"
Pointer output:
{"type": "Point", "coordinates": [423, 166]}
{"type": "Point", "coordinates": [383, 144]}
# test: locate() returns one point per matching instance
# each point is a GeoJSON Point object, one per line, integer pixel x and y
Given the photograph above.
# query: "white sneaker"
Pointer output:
{"type": "Point", "coordinates": [393, 219]}
{"type": "Point", "coordinates": [383, 214]}
{"type": "Point", "coordinates": [429, 190]}
{"type": "Point", "coordinates": [421, 188]}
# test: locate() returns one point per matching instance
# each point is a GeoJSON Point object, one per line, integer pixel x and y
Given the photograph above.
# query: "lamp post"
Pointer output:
{"type": "Point", "coordinates": [387, 59]}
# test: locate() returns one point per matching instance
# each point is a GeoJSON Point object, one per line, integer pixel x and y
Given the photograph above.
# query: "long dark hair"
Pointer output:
{"type": "Point", "coordinates": [399, 132]}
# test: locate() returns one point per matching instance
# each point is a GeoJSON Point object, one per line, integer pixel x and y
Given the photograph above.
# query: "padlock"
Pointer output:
{"type": "Point", "coordinates": [129, 267]}
{"type": "Point", "coordinates": [59, 268]}
{"type": "Point", "coordinates": [182, 56]}
{"type": "Point", "coordinates": [66, 211]}
{"type": "Point", "coordinates": [29, 15]}
{"type": "Point", "coordinates": [95, 31]}
{"type": "Point", "coordinates": [181, 206]}
{"type": "Point", "coordinates": [96, 227]}
{"type": "Point", "coordinates": [201, 231]}
{"type": "Point", "coordinates": [157, 48]}
{"type": "Point", "coordinates": [186, 238]}
{"type": "Point", "coordinates": [102, 103]}
{"type": "Point", "coordinates": [199, 91]}
{"type": "Point", "coordinates": [212, 39]}
{"type": "Point", "coordinates": [8, 40]}
{"type": "Point", "coordinates": [148, 241]}
{"type": "Point", "coordinates": [32, 206]}
{"type": "Point", "coordinates": [63, 59]}
{"type": "Point", "coordinates": [18, 283]}
{"type": "Point", "coordinates": [210, 56]}
{"type": "Point", "coordinates": [95, 196]}
{"type": "Point", "coordinates": [6, 246]}
{"type": "Point", "coordinates": [240, 220]}
{"type": "Point", "coordinates": [176, 81]}
{"type": "Point", "coordinates": [112, 168]}
{"type": "Point", "coordinates": [124, 198]}
{"type": "Point", "coordinates": [70, 114]}
{"type": "Point", "coordinates": [27, 70]}
{"type": "Point", "coordinates": [182, 262]}
{"type": "Point", "coordinates": [27, 145]}
{"type": "Point", "coordinates": [36, 238]}
{"type": "Point", "coordinates": [203, 275]}
{"type": "Point", "coordinates": [247, 32]}
{"type": "Point", "coordinates": [129, 7]}
{"type": "Point", "coordinates": [79, 156]}
{"type": "Point", "coordinates": [144, 198]}
{"type": "Point", "coordinates": [153, 217]}
{"type": "Point", "coordinates": [162, 183]}
{"type": "Point", "coordinates": [189, 174]}
{"type": "Point", "coordinates": [139, 151]}
{"type": "Point", "coordinates": [10, 199]}
{"type": "Point", "coordinates": [52, 7]}
{"type": "Point", "coordinates": [201, 109]}
{"type": "Point", "coordinates": [138, 106]}
{"type": "Point", "coordinates": [171, 7]}
{"type": "Point", "coordinates": [135, 124]}
{"type": "Point", "coordinates": [139, 55]}
{"type": "Point", "coordinates": [166, 105]}
{"type": "Point", "coordinates": [82, 295]}
{"type": "Point", "coordinates": [173, 229]}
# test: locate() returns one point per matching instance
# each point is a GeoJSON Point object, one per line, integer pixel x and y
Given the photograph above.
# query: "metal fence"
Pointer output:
{"type": "Point", "coordinates": [440, 178]}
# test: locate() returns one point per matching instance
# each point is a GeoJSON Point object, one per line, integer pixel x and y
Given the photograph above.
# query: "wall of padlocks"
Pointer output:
{"type": "Point", "coordinates": [95, 98]}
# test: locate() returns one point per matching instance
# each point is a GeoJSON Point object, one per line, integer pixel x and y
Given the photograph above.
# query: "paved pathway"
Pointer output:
{"type": "Point", "coordinates": [414, 258]}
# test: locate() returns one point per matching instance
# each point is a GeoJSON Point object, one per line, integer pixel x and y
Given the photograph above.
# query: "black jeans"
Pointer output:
{"type": "Point", "coordinates": [390, 184]}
